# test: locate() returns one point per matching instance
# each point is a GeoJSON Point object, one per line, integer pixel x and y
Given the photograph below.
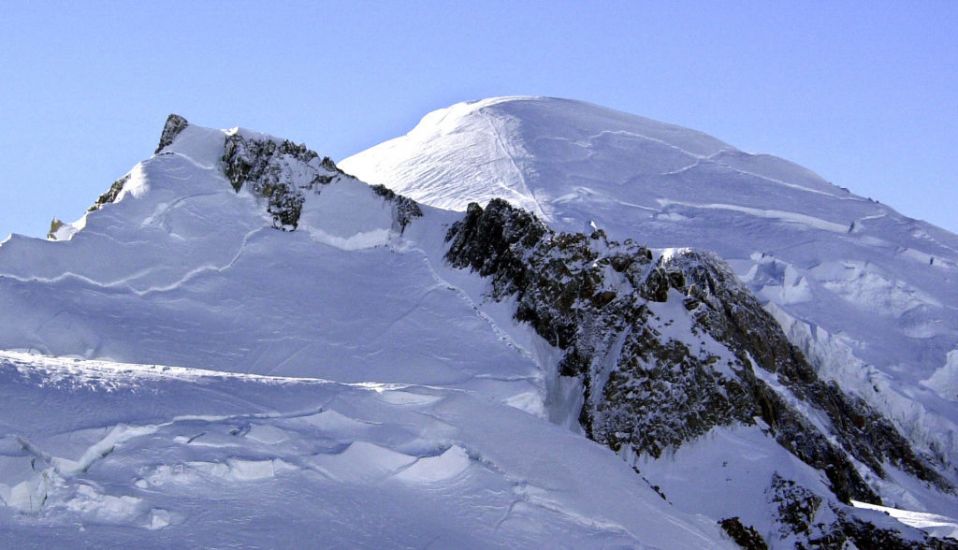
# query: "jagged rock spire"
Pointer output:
{"type": "Point", "coordinates": [174, 125]}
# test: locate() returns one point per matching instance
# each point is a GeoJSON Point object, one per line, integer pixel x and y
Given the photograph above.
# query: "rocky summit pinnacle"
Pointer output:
{"type": "Point", "coordinates": [174, 125]}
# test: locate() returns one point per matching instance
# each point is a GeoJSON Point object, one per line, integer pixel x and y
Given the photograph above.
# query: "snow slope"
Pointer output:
{"type": "Point", "coordinates": [869, 295]}
{"type": "Point", "coordinates": [182, 270]}
{"type": "Point", "coordinates": [121, 455]}
{"type": "Point", "coordinates": [180, 371]}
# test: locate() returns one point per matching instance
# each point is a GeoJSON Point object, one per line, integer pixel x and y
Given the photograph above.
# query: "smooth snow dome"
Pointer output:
{"type": "Point", "coordinates": [869, 295]}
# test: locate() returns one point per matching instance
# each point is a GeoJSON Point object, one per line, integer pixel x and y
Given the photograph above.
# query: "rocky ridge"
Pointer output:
{"type": "Point", "coordinates": [278, 171]}
{"type": "Point", "coordinates": [648, 392]}
{"type": "Point", "coordinates": [865, 292]}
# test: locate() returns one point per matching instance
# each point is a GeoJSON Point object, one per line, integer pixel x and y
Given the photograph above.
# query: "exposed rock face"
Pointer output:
{"type": "Point", "coordinates": [265, 167]}
{"type": "Point", "coordinates": [405, 210]}
{"type": "Point", "coordinates": [745, 536]}
{"type": "Point", "coordinates": [55, 225]}
{"type": "Point", "coordinates": [111, 194]}
{"type": "Point", "coordinates": [646, 391]}
{"type": "Point", "coordinates": [794, 505]}
{"type": "Point", "coordinates": [728, 311]}
{"type": "Point", "coordinates": [174, 125]}
{"type": "Point", "coordinates": [279, 171]}
{"type": "Point", "coordinates": [849, 531]}
{"type": "Point", "coordinates": [283, 172]}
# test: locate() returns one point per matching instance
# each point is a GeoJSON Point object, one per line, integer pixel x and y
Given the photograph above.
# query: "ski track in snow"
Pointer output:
{"type": "Point", "coordinates": [524, 190]}
{"type": "Point", "coordinates": [501, 334]}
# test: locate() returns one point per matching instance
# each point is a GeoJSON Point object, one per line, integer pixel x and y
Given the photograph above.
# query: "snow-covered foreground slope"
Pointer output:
{"type": "Point", "coordinates": [869, 295]}
{"type": "Point", "coordinates": [120, 455]}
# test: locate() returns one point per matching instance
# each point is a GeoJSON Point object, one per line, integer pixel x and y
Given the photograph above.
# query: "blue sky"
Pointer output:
{"type": "Point", "coordinates": [864, 93]}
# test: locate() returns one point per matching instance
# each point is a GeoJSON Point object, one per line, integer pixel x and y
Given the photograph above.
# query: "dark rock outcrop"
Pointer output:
{"type": "Point", "coordinates": [111, 194]}
{"type": "Point", "coordinates": [263, 167]}
{"type": "Point", "coordinates": [55, 225]}
{"type": "Point", "coordinates": [794, 505]}
{"type": "Point", "coordinates": [282, 172]}
{"type": "Point", "coordinates": [850, 530]}
{"type": "Point", "coordinates": [405, 210]}
{"type": "Point", "coordinates": [646, 391]}
{"type": "Point", "coordinates": [729, 312]}
{"type": "Point", "coordinates": [745, 536]}
{"type": "Point", "coordinates": [174, 125]}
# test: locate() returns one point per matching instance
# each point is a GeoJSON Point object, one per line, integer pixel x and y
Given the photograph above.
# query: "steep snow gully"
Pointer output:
{"type": "Point", "coordinates": [241, 344]}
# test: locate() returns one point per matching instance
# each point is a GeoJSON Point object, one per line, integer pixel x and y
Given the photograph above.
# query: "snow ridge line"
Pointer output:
{"type": "Point", "coordinates": [786, 184]}
{"type": "Point", "coordinates": [69, 367]}
{"type": "Point", "coordinates": [592, 138]}
{"type": "Point", "coordinates": [788, 217]}
{"type": "Point", "coordinates": [714, 159]}
{"type": "Point", "coordinates": [123, 284]}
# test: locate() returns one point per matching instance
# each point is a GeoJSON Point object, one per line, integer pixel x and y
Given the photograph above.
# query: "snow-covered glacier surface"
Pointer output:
{"type": "Point", "coordinates": [180, 371]}
{"type": "Point", "coordinates": [126, 455]}
{"type": "Point", "coordinates": [869, 295]}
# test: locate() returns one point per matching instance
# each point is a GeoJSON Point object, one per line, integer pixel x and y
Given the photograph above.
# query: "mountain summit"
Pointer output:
{"type": "Point", "coordinates": [241, 344]}
{"type": "Point", "coordinates": [867, 294]}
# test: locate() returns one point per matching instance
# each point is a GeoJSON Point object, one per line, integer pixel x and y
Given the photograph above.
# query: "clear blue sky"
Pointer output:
{"type": "Point", "coordinates": [864, 93]}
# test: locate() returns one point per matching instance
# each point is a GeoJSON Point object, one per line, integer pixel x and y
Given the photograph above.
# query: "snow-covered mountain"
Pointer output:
{"type": "Point", "coordinates": [362, 398]}
{"type": "Point", "coordinates": [239, 344]}
{"type": "Point", "coordinates": [870, 296]}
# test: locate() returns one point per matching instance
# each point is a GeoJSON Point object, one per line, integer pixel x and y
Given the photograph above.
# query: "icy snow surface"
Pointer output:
{"type": "Point", "coordinates": [125, 455]}
{"type": "Point", "coordinates": [941, 526]}
{"type": "Point", "coordinates": [870, 296]}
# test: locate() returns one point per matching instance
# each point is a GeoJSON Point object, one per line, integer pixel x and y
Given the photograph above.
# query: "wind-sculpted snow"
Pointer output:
{"type": "Point", "coordinates": [150, 456]}
{"type": "Point", "coordinates": [868, 294]}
